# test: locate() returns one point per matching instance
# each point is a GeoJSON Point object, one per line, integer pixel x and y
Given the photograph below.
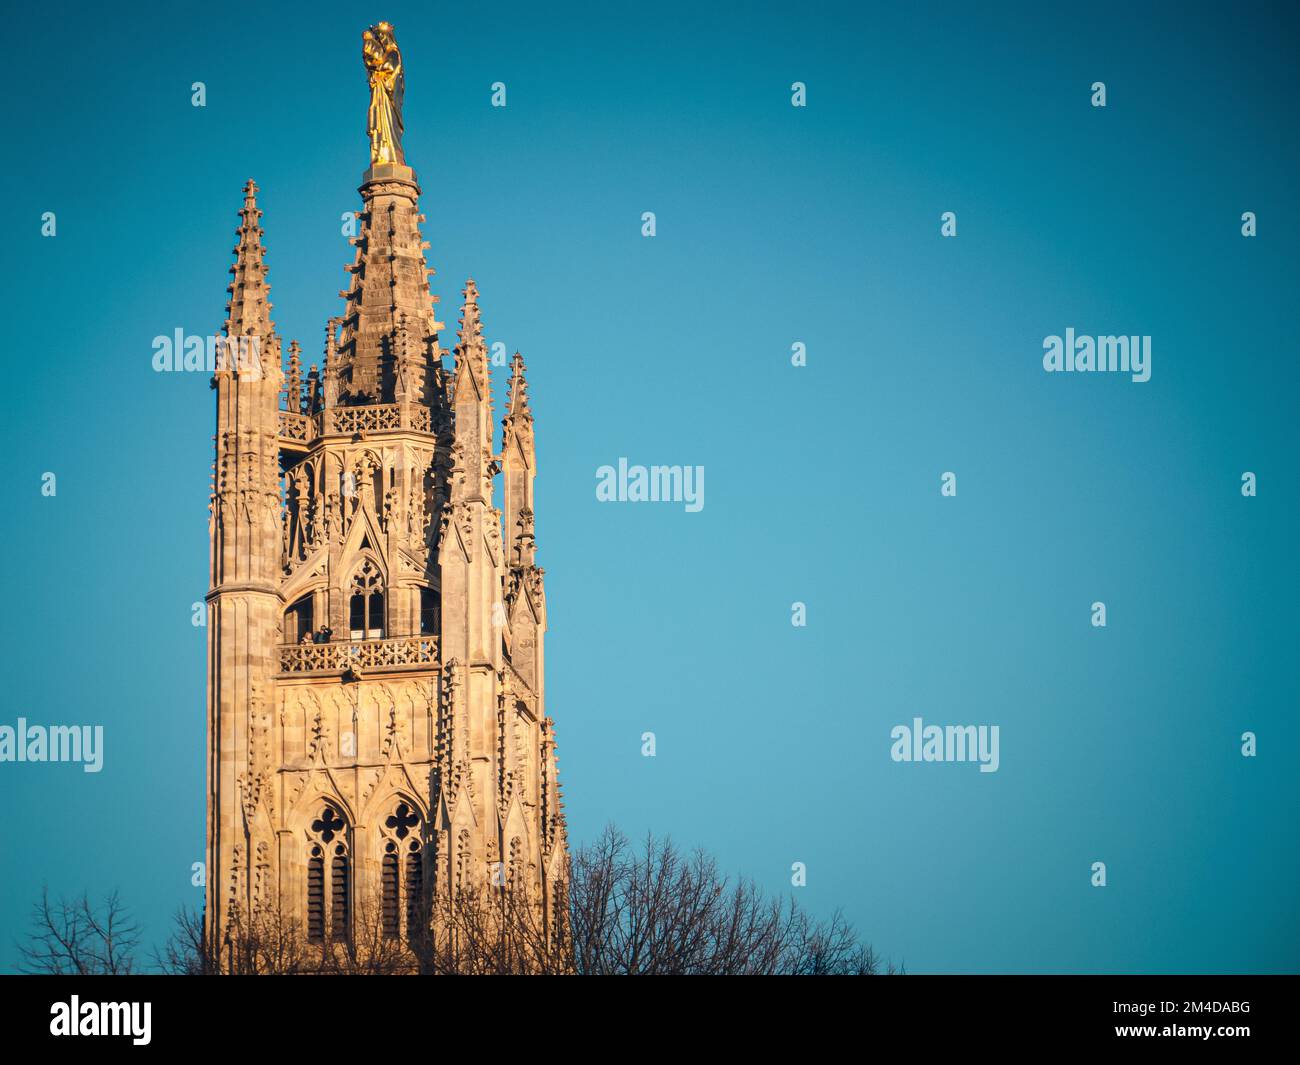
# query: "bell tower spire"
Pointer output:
{"type": "Point", "coordinates": [390, 278]}
{"type": "Point", "coordinates": [378, 741]}
{"type": "Point", "coordinates": [248, 311]}
{"type": "Point", "coordinates": [244, 590]}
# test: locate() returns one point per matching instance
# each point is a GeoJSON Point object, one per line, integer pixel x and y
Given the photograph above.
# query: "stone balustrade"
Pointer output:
{"type": "Point", "coordinates": [297, 428]}
{"type": "Point", "coordinates": [361, 656]}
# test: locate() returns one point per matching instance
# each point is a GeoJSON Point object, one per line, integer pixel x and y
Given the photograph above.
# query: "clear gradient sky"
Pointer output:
{"type": "Point", "coordinates": [775, 225]}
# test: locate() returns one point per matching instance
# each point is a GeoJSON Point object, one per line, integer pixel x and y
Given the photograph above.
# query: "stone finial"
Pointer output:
{"type": "Point", "coordinates": [293, 387]}
{"type": "Point", "coordinates": [517, 397]}
{"type": "Point", "coordinates": [248, 312]}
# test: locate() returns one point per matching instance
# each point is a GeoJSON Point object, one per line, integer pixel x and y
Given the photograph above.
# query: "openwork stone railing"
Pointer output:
{"type": "Point", "coordinates": [359, 655]}
{"type": "Point", "coordinates": [302, 427]}
{"type": "Point", "coordinates": [363, 419]}
{"type": "Point", "coordinates": [348, 420]}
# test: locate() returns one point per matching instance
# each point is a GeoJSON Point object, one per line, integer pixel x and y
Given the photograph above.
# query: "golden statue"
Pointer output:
{"type": "Point", "coordinates": [387, 86]}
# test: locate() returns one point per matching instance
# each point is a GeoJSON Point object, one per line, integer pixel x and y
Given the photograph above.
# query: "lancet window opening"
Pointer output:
{"type": "Point", "coordinates": [402, 872]}
{"type": "Point", "coordinates": [366, 603]}
{"type": "Point", "coordinates": [329, 877]}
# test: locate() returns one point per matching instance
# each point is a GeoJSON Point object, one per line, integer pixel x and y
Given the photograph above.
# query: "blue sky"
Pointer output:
{"type": "Point", "coordinates": [775, 225]}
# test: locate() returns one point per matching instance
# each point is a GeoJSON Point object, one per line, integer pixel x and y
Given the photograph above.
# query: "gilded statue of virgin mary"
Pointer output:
{"type": "Point", "coordinates": [387, 86]}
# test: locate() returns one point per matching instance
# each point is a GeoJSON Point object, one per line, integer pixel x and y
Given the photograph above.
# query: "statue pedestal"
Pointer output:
{"type": "Point", "coordinates": [389, 174]}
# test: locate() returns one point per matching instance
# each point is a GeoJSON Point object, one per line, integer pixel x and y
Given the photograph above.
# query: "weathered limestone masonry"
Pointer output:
{"type": "Point", "coordinates": [406, 753]}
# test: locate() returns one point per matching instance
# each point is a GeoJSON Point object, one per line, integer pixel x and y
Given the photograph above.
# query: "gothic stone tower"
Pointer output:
{"type": "Point", "coordinates": [377, 734]}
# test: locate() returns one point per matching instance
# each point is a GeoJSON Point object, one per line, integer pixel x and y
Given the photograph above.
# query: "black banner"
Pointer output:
{"type": "Point", "coordinates": [1230, 1014]}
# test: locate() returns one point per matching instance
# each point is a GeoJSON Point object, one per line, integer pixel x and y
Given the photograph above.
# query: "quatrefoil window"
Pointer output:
{"type": "Point", "coordinates": [328, 824]}
{"type": "Point", "coordinates": [402, 820]}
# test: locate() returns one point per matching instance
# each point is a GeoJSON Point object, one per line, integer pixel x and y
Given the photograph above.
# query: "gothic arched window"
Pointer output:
{"type": "Point", "coordinates": [428, 612]}
{"type": "Point", "coordinates": [366, 603]}
{"type": "Point", "coordinates": [298, 620]}
{"type": "Point", "coordinates": [329, 878]}
{"type": "Point", "coordinates": [402, 870]}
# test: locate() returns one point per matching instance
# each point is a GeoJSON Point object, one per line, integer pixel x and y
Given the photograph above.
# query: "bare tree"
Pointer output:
{"type": "Point", "coordinates": [495, 932]}
{"type": "Point", "coordinates": [658, 911]}
{"type": "Point", "coordinates": [643, 912]}
{"type": "Point", "coordinates": [76, 937]}
{"type": "Point", "coordinates": [185, 952]}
